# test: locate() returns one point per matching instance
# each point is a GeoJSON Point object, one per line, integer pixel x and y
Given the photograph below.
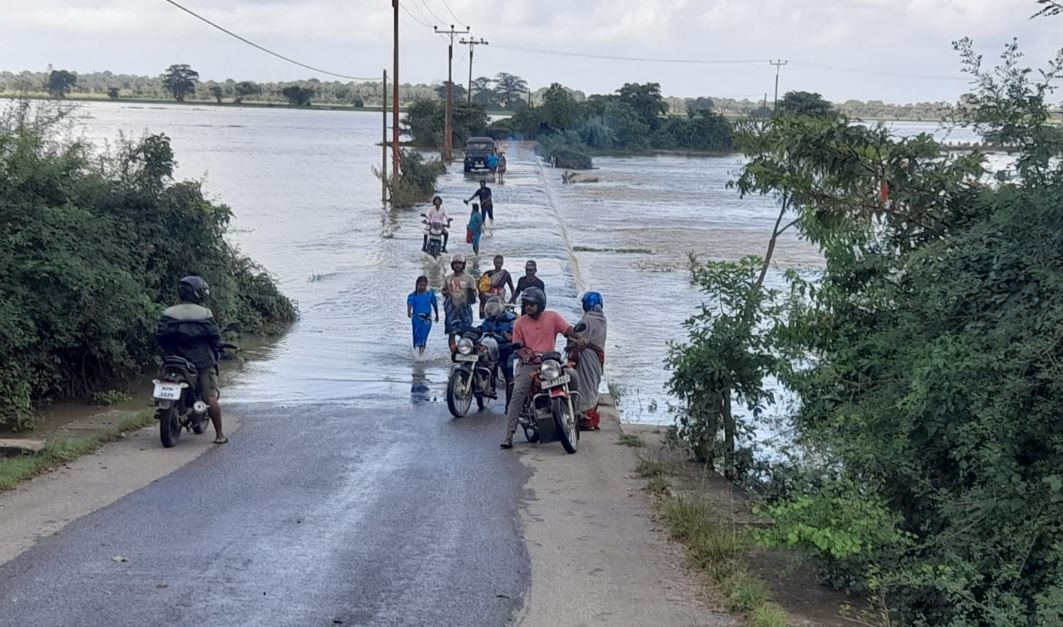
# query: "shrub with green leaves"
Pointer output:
{"type": "Point", "coordinates": [91, 248]}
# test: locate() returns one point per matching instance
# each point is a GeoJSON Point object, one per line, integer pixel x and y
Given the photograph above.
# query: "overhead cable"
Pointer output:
{"type": "Point", "coordinates": [267, 50]}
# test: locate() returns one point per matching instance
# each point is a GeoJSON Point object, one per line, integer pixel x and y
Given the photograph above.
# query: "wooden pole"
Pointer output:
{"type": "Point", "coordinates": [395, 99]}
{"type": "Point", "coordinates": [384, 144]}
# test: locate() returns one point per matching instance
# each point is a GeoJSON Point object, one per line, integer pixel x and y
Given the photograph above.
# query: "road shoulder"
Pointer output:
{"type": "Point", "coordinates": [597, 555]}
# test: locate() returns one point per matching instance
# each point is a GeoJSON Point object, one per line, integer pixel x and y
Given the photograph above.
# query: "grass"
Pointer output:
{"type": "Point", "coordinates": [14, 470]}
{"type": "Point", "coordinates": [658, 485]}
{"type": "Point", "coordinates": [633, 441]}
{"type": "Point", "coordinates": [647, 469]}
{"type": "Point", "coordinates": [718, 550]}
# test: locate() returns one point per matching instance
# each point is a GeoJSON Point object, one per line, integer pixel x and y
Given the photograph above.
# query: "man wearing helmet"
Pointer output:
{"type": "Point", "coordinates": [499, 321]}
{"type": "Point", "coordinates": [590, 360]}
{"type": "Point", "coordinates": [459, 293]}
{"type": "Point", "coordinates": [536, 331]}
{"type": "Point", "coordinates": [188, 330]}
{"type": "Point", "coordinates": [437, 216]}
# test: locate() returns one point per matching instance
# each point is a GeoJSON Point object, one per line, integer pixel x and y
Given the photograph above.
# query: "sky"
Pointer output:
{"type": "Point", "coordinates": [890, 50]}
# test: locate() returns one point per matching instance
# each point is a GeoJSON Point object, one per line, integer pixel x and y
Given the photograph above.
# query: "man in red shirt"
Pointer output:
{"type": "Point", "coordinates": [537, 331]}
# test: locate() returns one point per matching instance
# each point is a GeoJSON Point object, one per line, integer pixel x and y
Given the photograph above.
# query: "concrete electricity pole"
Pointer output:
{"type": "Point", "coordinates": [448, 133]}
{"type": "Point", "coordinates": [778, 63]}
{"type": "Point", "coordinates": [395, 98]}
{"type": "Point", "coordinates": [472, 43]}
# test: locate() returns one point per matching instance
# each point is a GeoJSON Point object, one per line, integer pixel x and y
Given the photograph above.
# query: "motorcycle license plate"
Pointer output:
{"type": "Point", "coordinates": [553, 383]}
{"type": "Point", "coordinates": [167, 391]}
{"type": "Point", "coordinates": [460, 357]}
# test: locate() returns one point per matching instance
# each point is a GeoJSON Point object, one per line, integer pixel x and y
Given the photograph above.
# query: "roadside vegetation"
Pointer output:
{"type": "Point", "coordinates": [924, 462]}
{"type": "Point", "coordinates": [14, 470]}
{"type": "Point", "coordinates": [91, 247]}
{"type": "Point", "coordinates": [416, 181]}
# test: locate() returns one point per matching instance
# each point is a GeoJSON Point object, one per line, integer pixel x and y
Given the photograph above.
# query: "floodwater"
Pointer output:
{"type": "Point", "coordinates": [307, 207]}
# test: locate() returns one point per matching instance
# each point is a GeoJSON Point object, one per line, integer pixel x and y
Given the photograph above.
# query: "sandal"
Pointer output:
{"type": "Point", "coordinates": [221, 440]}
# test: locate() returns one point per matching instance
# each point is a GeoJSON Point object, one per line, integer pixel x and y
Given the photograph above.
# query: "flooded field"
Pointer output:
{"type": "Point", "coordinates": [307, 207]}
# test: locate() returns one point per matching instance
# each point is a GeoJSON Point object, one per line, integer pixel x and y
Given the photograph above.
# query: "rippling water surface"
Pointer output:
{"type": "Point", "coordinates": [307, 207]}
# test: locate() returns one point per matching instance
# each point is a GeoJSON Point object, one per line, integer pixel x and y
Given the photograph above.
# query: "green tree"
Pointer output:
{"type": "Point", "coordinates": [629, 129]}
{"type": "Point", "coordinates": [298, 96]}
{"type": "Point", "coordinates": [559, 110]}
{"type": "Point", "coordinates": [60, 82]}
{"type": "Point", "coordinates": [701, 103]}
{"type": "Point", "coordinates": [180, 81]}
{"type": "Point", "coordinates": [510, 90]}
{"type": "Point", "coordinates": [645, 100]}
{"type": "Point", "coordinates": [804, 103]}
{"type": "Point", "coordinates": [483, 92]}
{"type": "Point", "coordinates": [217, 92]}
{"type": "Point", "coordinates": [244, 89]}
{"type": "Point", "coordinates": [112, 93]}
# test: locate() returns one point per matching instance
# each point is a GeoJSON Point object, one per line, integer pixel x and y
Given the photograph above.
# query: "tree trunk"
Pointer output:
{"type": "Point", "coordinates": [728, 435]}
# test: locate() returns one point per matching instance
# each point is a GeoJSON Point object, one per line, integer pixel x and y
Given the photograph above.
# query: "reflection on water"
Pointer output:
{"type": "Point", "coordinates": [307, 207]}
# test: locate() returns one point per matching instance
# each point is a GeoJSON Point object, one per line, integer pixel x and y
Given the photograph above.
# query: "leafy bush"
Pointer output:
{"type": "Point", "coordinates": [426, 121]}
{"type": "Point", "coordinates": [565, 150]}
{"type": "Point", "coordinates": [91, 248]}
{"type": "Point", "coordinates": [417, 179]}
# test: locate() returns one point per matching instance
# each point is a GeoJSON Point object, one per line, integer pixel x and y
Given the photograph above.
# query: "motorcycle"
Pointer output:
{"type": "Point", "coordinates": [549, 413]}
{"type": "Point", "coordinates": [435, 236]}
{"type": "Point", "coordinates": [474, 374]}
{"type": "Point", "coordinates": [178, 404]}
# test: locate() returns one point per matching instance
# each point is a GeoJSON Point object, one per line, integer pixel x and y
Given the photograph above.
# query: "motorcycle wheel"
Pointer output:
{"type": "Point", "coordinates": [567, 429]}
{"type": "Point", "coordinates": [458, 405]}
{"type": "Point", "coordinates": [169, 427]}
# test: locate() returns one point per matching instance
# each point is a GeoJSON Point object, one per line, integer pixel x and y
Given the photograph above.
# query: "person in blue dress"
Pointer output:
{"type": "Point", "coordinates": [476, 228]}
{"type": "Point", "coordinates": [498, 320]}
{"type": "Point", "coordinates": [420, 305]}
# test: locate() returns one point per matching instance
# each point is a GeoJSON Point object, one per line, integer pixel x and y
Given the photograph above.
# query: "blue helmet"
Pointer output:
{"type": "Point", "coordinates": [592, 301]}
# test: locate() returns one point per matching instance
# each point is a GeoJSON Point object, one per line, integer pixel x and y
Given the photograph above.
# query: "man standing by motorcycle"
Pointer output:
{"type": "Point", "coordinates": [188, 330]}
{"type": "Point", "coordinates": [536, 331]}
{"type": "Point", "coordinates": [590, 360]}
{"type": "Point", "coordinates": [499, 322]}
{"type": "Point", "coordinates": [459, 293]}
{"type": "Point", "coordinates": [437, 215]}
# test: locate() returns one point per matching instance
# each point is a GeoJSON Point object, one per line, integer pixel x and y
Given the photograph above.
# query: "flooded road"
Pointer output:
{"type": "Point", "coordinates": [307, 207]}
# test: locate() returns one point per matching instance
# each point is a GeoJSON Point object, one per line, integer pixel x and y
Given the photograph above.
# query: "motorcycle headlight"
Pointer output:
{"type": "Point", "coordinates": [465, 346]}
{"type": "Point", "coordinates": [550, 370]}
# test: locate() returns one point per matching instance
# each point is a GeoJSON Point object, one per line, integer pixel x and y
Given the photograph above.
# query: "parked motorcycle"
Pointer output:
{"type": "Point", "coordinates": [549, 413]}
{"type": "Point", "coordinates": [474, 374]}
{"type": "Point", "coordinates": [178, 403]}
{"type": "Point", "coordinates": [435, 236]}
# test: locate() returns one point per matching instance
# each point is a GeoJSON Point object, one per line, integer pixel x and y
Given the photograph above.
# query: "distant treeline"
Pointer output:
{"type": "Point", "coordinates": [503, 92]}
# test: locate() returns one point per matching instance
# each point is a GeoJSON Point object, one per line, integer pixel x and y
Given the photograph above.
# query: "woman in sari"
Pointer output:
{"type": "Point", "coordinates": [590, 361]}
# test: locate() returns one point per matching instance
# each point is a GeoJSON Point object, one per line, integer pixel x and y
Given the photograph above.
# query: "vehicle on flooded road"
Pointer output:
{"type": "Point", "coordinates": [477, 149]}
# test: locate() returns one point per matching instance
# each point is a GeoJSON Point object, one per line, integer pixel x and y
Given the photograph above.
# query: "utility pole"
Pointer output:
{"type": "Point", "coordinates": [395, 98]}
{"type": "Point", "coordinates": [448, 132]}
{"type": "Point", "coordinates": [384, 143]}
{"type": "Point", "coordinates": [778, 63]}
{"type": "Point", "coordinates": [472, 43]}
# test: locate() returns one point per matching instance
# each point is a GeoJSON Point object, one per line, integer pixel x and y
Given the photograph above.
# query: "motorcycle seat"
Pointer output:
{"type": "Point", "coordinates": [174, 361]}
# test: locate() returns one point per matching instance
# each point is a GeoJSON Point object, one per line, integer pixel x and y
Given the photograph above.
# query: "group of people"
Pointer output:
{"type": "Point", "coordinates": [535, 329]}
{"type": "Point", "coordinates": [481, 218]}
{"type": "Point", "coordinates": [496, 163]}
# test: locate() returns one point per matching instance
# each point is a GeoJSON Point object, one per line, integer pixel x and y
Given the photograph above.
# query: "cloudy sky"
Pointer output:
{"type": "Point", "coordinates": [894, 50]}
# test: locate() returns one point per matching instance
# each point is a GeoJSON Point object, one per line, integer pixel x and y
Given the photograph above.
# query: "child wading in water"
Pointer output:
{"type": "Point", "coordinates": [476, 228]}
{"type": "Point", "coordinates": [419, 308]}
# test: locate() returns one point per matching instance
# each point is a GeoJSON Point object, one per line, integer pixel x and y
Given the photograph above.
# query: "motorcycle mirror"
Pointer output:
{"type": "Point", "coordinates": [580, 328]}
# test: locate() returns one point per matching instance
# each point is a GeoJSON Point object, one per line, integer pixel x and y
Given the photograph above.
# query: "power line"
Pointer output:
{"type": "Point", "coordinates": [453, 15]}
{"type": "Point", "coordinates": [267, 50]}
{"type": "Point", "coordinates": [431, 12]}
{"type": "Point", "coordinates": [643, 59]}
{"type": "Point", "coordinates": [857, 70]}
{"type": "Point", "coordinates": [409, 13]}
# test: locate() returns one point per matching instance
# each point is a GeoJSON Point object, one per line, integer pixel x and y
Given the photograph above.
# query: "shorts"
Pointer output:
{"type": "Point", "coordinates": [208, 384]}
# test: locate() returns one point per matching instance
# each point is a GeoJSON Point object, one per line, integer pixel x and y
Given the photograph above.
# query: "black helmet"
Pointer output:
{"type": "Point", "coordinates": [193, 289]}
{"type": "Point", "coordinates": [535, 295]}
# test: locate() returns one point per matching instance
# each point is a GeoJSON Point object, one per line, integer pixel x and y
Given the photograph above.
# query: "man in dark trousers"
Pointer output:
{"type": "Point", "coordinates": [487, 205]}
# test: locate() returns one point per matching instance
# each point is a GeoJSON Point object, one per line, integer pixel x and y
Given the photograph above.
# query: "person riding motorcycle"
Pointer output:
{"type": "Point", "coordinates": [499, 321]}
{"type": "Point", "coordinates": [189, 330]}
{"type": "Point", "coordinates": [437, 216]}
{"type": "Point", "coordinates": [536, 331]}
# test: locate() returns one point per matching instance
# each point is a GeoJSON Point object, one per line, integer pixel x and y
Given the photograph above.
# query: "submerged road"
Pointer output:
{"type": "Point", "coordinates": [313, 515]}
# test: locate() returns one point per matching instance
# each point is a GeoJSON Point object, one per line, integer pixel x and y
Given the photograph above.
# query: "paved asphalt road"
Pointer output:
{"type": "Point", "coordinates": [311, 515]}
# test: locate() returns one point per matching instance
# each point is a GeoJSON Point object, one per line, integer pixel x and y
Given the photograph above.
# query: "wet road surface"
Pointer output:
{"type": "Point", "coordinates": [311, 514]}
